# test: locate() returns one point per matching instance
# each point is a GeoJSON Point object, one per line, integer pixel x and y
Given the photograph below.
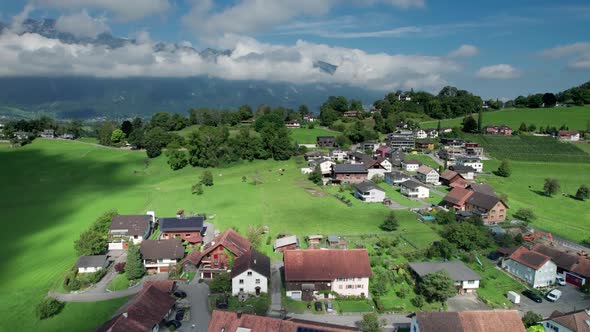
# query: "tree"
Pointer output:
{"type": "Point", "coordinates": [136, 138]}
{"type": "Point", "coordinates": [276, 141]}
{"type": "Point", "coordinates": [245, 112]}
{"type": "Point", "coordinates": [127, 127]}
{"type": "Point", "coordinates": [535, 101]}
{"type": "Point", "coordinates": [220, 284]}
{"type": "Point", "coordinates": [438, 286]}
{"type": "Point", "coordinates": [445, 217]}
{"type": "Point", "coordinates": [443, 249]}
{"type": "Point", "coordinates": [551, 187]}
{"type": "Point", "coordinates": [583, 193]}
{"type": "Point", "coordinates": [342, 141]}
{"type": "Point", "coordinates": [523, 127]}
{"type": "Point", "coordinates": [525, 214]}
{"type": "Point", "coordinates": [467, 236]}
{"type": "Point", "coordinates": [371, 323]}
{"type": "Point", "coordinates": [418, 301]}
{"type": "Point", "coordinates": [479, 121]}
{"type": "Point", "coordinates": [137, 123]}
{"type": "Point", "coordinates": [153, 150]}
{"type": "Point", "coordinates": [207, 178]}
{"type": "Point", "coordinates": [505, 169]}
{"type": "Point", "coordinates": [176, 159]}
{"type": "Point", "coordinates": [469, 125]}
{"type": "Point", "coordinates": [390, 223]}
{"type": "Point", "coordinates": [49, 307]}
{"type": "Point", "coordinates": [532, 128]}
{"type": "Point", "coordinates": [197, 188]}
{"type": "Point", "coordinates": [530, 318]}
{"type": "Point", "coordinates": [520, 102]}
{"type": "Point", "coordinates": [120, 267]}
{"type": "Point", "coordinates": [134, 268]}
{"type": "Point", "coordinates": [247, 145]}
{"type": "Point", "coordinates": [105, 132]}
{"type": "Point", "coordinates": [254, 235]}
{"type": "Point", "coordinates": [549, 99]}
{"type": "Point", "coordinates": [90, 243]}
{"type": "Point", "coordinates": [316, 176]}
{"type": "Point", "coordinates": [117, 136]}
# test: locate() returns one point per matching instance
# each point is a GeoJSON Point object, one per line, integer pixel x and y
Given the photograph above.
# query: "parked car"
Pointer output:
{"type": "Point", "coordinates": [174, 323]}
{"type": "Point", "coordinates": [179, 294]}
{"type": "Point", "coordinates": [179, 314]}
{"type": "Point", "coordinates": [560, 280]}
{"type": "Point", "coordinates": [329, 307]}
{"type": "Point", "coordinates": [553, 295]}
{"type": "Point", "coordinates": [532, 295]}
{"type": "Point", "coordinates": [318, 306]}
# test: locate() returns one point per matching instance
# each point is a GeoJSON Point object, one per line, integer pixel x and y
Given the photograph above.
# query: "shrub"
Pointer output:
{"type": "Point", "coordinates": [49, 307]}
{"type": "Point", "coordinates": [418, 301]}
{"type": "Point", "coordinates": [120, 267]}
{"type": "Point", "coordinates": [525, 215]}
{"type": "Point", "coordinates": [531, 318]}
{"type": "Point", "coordinates": [402, 292]}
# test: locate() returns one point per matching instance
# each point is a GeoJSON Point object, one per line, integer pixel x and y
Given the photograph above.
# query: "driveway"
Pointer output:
{"type": "Point", "coordinates": [276, 282]}
{"type": "Point", "coordinates": [465, 302]}
{"type": "Point", "coordinates": [571, 299]}
{"type": "Point", "coordinates": [197, 298]}
{"type": "Point", "coordinates": [210, 232]}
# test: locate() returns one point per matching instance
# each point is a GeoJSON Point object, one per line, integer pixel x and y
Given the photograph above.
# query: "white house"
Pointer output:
{"type": "Point", "coordinates": [427, 174]}
{"type": "Point", "coordinates": [569, 135]}
{"type": "Point", "coordinates": [396, 177]}
{"type": "Point", "coordinates": [377, 166]}
{"type": "Point", "coordinates": [250, 273]}
{"type": "Point", "coordinates": [91, 264]}
{"type": "Point", "coordinates": [432, 133]}
{"type": "Point", "coordinates": [160, 255]}
{"type": "Point", "coordinates": [125, 229]}
{"type": "Point", "coordinates": [414, 189]}
{"type": "Point", "coordinates": [338, 155]}
{"type": "Point", "coordinates": [467, 172]}
{"type": "Point", "coordinates": [411, 165]}
{"type": "Point", "coordinates": [311, 273]}
{"type": "Point", "coordinates": [465, 279]}
{"type": "Point", "coordinates": [324, 164]}
{"type": "Point", "coordinates": [573, 321]}
{"type": "Point", "coordinates": [368, 192]}
{"type": "Point", "coordinates": [534, 268]}
{"type": "Point", "coordinates": [420, 134]}
{"type": "Point", "coordinates": [473, 162]}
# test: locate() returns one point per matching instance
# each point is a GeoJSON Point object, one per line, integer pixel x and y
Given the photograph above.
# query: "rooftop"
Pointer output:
{"type": "Point", "coordinates": [326, 264]}
{"type": "Point", "coordinates": [133, 224]}
{"type": "Point", "coordinates": [366, 186]}
{"type": "Point", "coordinates": [532, 259]}
{"type": "Point", "coordinates": [456, 269]}
{"type": "Point", "coordinates": [349, 168]}
{"type": "Point", "coordinates": [470, 321]}
{"type": "Point", "coordinates": [253, 260]}
{"type": "Point", "coordinates": [181, 224]}
{"type": "Point", "coordinates": [160, 249]}
{"type": "Point", "coordinates": [92, 261]}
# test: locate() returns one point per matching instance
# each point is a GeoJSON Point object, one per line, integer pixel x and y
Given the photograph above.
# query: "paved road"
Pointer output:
{"type": "Point", "coordinates": [392, 320]}
{"type": "Point", "coordinates": [466, 302]}
{"type": "Point", "coordinates": [197, 298]}
{"type": "Point", "coordinates": [95, 297]}
{"type": "Point", "coordinates": [275, 287]}
{"type": "Point", "coordinates": [571, 299]}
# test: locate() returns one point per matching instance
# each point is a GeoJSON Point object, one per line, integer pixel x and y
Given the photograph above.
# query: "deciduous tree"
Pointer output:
{"type": "Point", "coordinates": [551, 187]}
{"type": "Point", "coordinates": [583, 193]}
{"type": "Point", "coordinates": [390, 223]}
{"type": "Point", "coordinates": [438, 286]}
{"type": "Point", "coordinates": [207, 178]}
{"type": "Point", "coordinates": [505, 169]}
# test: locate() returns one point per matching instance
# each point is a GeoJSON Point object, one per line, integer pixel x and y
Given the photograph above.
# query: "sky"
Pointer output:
{"type": "Point", "coordinates": [496, 49]}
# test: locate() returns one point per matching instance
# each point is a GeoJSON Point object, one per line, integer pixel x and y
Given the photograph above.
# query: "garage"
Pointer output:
{"type": "Point", "coordinates": [296, 295]}
{"type": "Point", "coordinates": [207, 275]}
{"type": "Point", "coordinates": [574, 279]}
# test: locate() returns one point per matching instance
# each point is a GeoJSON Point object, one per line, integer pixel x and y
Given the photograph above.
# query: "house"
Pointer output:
{"type": "Point", "coordinates": [427, 174]}
{"type": "Point", "coordinates": [483, 188]}
{"type": "Point", "coordinates": [216, 256]}
{"type": "Point", "coordinates": [293, 124]}
{"type": "Point", "coordinates": [229, 321]}
{"type": "Point", "coordinates": [432, 133]}
{"type": "Point", "coordinates": [396, 157]}
{"type": "Point", "coordinates": [465, 279]}
{"type": "Point", "coordinates": [399, 142]}
{"type": "Point", "coordinates": [575, 269]}
{"type": "Point", "coordinates": [369, 146]}
{"type": "Point", "coordinates": [356, 157]}
{"type": "Point", "coordinates": [383, 151]}
{"type": "Point", "coordinates": [159, 255]}
{"type": "Point", "coordinates": [467, 172]}
{"type": "Point", "coordinates": [452, 142]}
{"type": "Point", "coordinates": [250, 273]}
{"type": "Point", "coordinates": [467, 321]}
{"type": "Point", "coordinates": [21, 135]}
{"type": "Point", "coordinates": [404, 98]}
{"type": "Point", "coordinates": [351, 114]}
{"type": "Point", "coordinates": [289, 242]}
{"type": "Point", "coordinates": [446, 130]}
{"type": "Point", "coordinates": [473, 150]}
{"type": "Point", "coordinates": [473, 162]}
{"type": "Point", "coordinates": [313, 155]}
{"type": "Point", "coordinates": [91, 264]}
{"type": "Point", "coordinates": [569, 135]}
{"type": "Point", "coordinates": [449, 154]}
{"type": "Point", "coordinates": [425, 145]}
{"type": "Point", "coordinates": [349, 173]}
{"type": "Point", "coordinates": [342, 271]}
{"type": "Point", "coordinates": [396, 177]}
{"type": "Point", "coordinates": [534, 268]}
{"type": "Point", "coordinates": [414, 189]}
{"type": "Point", "coordinates": [333, 240]}
{"type": "Point", "coordinates": [377, 166]}
{"type": "Point", "coordinates": [489, 208]}
{"type": "Point", "coordinates": [573, 321]}
{"type": "Point", "coordinates": [67, 136]}
{"type": "Point", "coordinates": [368, 192]}
{"type": "Point", "coordinates": [498, 130]}
{"type": "Point", "coordinates": [314, 240]}
{"type": "Point", "coordinates": [190, 229]}
{"type": "Point", "coordinates": [324, 164]}
{"type": "Point", "coordinates": [448, 177]}
{"type": "Point", "coordinates": [420, 134]}
{"type": "Point", "coordinates": [48, 133]}
{"type": "Point", "coordinates": [338, 155]}
{"type": "Point", "coordinates": [129, 228]}
{"type": "Point", "coordinates": [325, 141]}
{"type": "Point", "coordinates": [456, 198]}
{"type": "Point", "coordinates": [150, 309]}
{"type": "Point", "coordinates": [411, 165]}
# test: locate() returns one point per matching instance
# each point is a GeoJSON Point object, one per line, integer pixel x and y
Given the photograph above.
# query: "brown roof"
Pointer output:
{"type": "Point", "coordinates": [458, 196]}
{"type": "Point", "coordinates": [150, 307]}
{"type": "Point", "coordinates": [575, 320]}
{"type": "Point", "coordinates": [326, 264]}
{"type": "Point", "coordinates": [159, 249]}
{"type": "Point", "coordinates": [424, 169]}
{"type": "Point", "coordinates": [251, 259]}
{"type": "Point", "coordinates": [532, 259]}
{"type": "Point", "coordinates": [459, 182]}
{"type": "Point", "coordinates": [230, 240]}
{"type": "Point", "coordinates": [134, 224]}
{"type": "Point", "coordinates": [483, 200]}
{"type": "Point", "coordinates": [228, 321]}
{"type": "Point", "coordinates": [566, 261]}
{"type": "Point", "coordinates": [470, 321]}
{"type": "Point", "coordinates": [568, 132]}
{"type": "Point", "coordinates": [448, 175]}
{"type": "Point", "coordinates": [166, 286]}
{"type": "Point", "coordinates": [483, 188]}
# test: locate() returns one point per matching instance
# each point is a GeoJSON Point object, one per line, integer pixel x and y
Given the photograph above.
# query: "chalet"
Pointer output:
{"type": "Point", "coordinates": [189, 229]}
{"type": "Point", "coordinates": [489, 208]}
{"type": "Point", "coordinates": [427, 174]}
{"type": "Point", "coordinates": [368, 192]}
{"type": "Point", "coordinates": [351, 114]}
{"type": "Point", "coordinates": [575, 269]}
{"type": "Point", "coordinates": [534, 268]}
{"type": "Point", "coordinates": [396, 157]}
{"type": "Point", "coordinates": [377, 166]}
{"type": "Point", "coordinates": [569, 135]}
{"type": "Point", "coordinates": [573, 321]}
{"type": "Point", "coordinates": [465, 279]}
{"type": "Point", "coordinates": [396, 177]}
{"type": "Point", "coordinates": [432, 133]}
{"type": "Point", "coordinates": [324, 164]}
{"type": "Point", "coordinates": [411, 165]}
{"type": "Point", "coordinates": [400, 142]}
{"type": "Point", "coordinates": [325, 141]}
{"type": "Point", "coordinates": [383, 151]}
{"type": "Point", "coordinates": [338, 155]}
{"type": "Point", "coordinates": [289, 242]}
{"type": "Point", "coordinates": [48, 133]}
{"type": "Point", "coordinates": [425, 145]}
{"type": "Point", "coordinates": [349, 173]}
{"type": "Point", "coordinates": [216, 256]}
{"type": "Point", "coordinates": [498, 130]}
{"type": "Point", "coordinates": [91, 264]}
{"type": "Point", "coordinates": [414, 189]}
{"type": "Point", "coordinates": [473, 162]}
{"type": "Point", "coordinates": [250, 273]}
{"type": "Point", "coordinates": [308, 118]}
{"type": "Point", "coordinates": [420, 134]}
{"type": "Point", "coordinates": [473, 150]}
{"type": "Point", "coordinates": [129, 228]}
{"type": "Point", "coordinates": [159, 255]}
{"type": "Point", "coordinates": [467, 172]}
{"type": "Point", "coordinates": [308, 272]}
{"type": "Point", "coordinates": [467, 321]}
{"type": "Point", "coordinates": [293, 124]}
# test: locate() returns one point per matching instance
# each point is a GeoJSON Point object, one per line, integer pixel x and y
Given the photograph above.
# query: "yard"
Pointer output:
{"type": "Point", "coordinates": [424, 159]}
{"type": "Point", "coordinates": [495, 285]}
{"type": "Point", "coordinates": [119, 283]}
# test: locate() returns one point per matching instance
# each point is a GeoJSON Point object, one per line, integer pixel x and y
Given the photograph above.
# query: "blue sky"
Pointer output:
{"type": "Point", "coordinates": [494, 48]}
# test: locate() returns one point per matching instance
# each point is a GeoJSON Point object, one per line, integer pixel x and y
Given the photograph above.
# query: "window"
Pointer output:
{"type": "Point", "coordinates": [257, 281]}
{"type": "Point", "coordinates": [341, 279]}
{"type": "Point", "coordinates": [241, 289]}
{"type": "Point", "coordinates": [349, 286]}
{"type": "Point", "coordinates": [249, 273]}
{"type": "Point", "coordinates": [241, 281]}
{"type": "Point", "coordinates": [135, 236]}
{"type": "Point", "coordinates": [187, 234]}
{"type": "Point", "coordinates": [359, 286]}
{"type": "Point", "coordinates": [470, 282]}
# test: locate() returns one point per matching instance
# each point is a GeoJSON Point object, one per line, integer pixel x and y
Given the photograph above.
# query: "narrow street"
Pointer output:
{"type": "Point", "coordinates": [275, 287]}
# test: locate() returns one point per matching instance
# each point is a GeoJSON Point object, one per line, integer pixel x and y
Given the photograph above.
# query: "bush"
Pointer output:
{"type": "Point", "coordinates": [49, 307]}
{"type": "Point", "coordinates": [418, 301]}
{"type": "Point", "coordinates": [531, 318]}
{"type": "Point", "coordinates": [525, 215]}
{"type": "Point", "coordinates": [120, 267]}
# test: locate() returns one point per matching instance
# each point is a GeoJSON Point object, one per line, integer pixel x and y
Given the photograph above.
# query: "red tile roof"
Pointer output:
{"type": "Point", "coordinates": [534, 260]}
{"type": "Point", "coordinates": [230, 240]}
{"type": "Point", "coordinates": [326, 264]}
{"type": "Point", "coordinates": [458, 196]}
{"type": "Point", "coordinates": [470, 321]}
{"type": "Point", "coordinates": [574, 321]}
{"type": "Point", "coordinates": [448, 175]}
{"type": "Point", "coordinates": [166, 286]}
{"type": "Point", "coordinates": [567, 261]}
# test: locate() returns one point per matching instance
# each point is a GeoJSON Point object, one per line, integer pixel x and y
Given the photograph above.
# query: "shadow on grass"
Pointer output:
{"type": "Point", "coordinates": [539, 192]}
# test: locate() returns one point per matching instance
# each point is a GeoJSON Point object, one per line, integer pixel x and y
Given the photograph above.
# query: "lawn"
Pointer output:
{"type": "Point", "coordinates": [119, 283]}
{"type": "Point", "coordinates": [353, 305]}
{"type": "Point", "coordinates": [88, 140]}
{"type": "Point", "coordinates": [426, 160]}
{"type": "Point", "coordinates": [573, 117]}
{"type": "Point", "coordinates": [495, 285]}
{"type": "Point", "coordinates": [308, 136]}
{"type": "Point", "coordinates": [393, 192]}
{"type": "Point", "coordinates": [584, 147]}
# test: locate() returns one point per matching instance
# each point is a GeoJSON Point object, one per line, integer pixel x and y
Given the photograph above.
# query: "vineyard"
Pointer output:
{"type": "Point", "coordinates": [531, 148]}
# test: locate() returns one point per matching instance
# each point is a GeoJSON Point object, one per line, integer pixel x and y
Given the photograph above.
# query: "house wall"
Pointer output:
{"type": "Point", "coordinates": [249, 283]}
{"type": "Point", "coordinates": [478, 166]}
{"type": "Point", "coordinates": [420, 192]}
{"type": "Point", "coordinates": [469, 284]}
{"type": "Point", "coordinates": [287, 247]}
{"type": "Point", "coordinates": [351, 286]}
{"type": "Point", "coordinates": [544, 276]}
{"type": "Point", "coordinates": [375, 171]}
{"type": "Point", "coordinates": [161, 265]}
{"type": "Point", "coordinates": [182, 235]}
{"type": "Point", "coordinates": [431, 177]}
{"type": "Point", "coordinates": [89, 269]}
{"type": "Point", "coordinates": [410, 167]}
{"type": "Point", "coordinates": [551, 326]}
{"type": "Point", "coordinates": [374, 196]}
{"type": "Point", "coordinates": [326, 167]}
{"type": "Point", "coordinates": [216, 259]}
{"type": "Point", "coordinates": [350, 178]}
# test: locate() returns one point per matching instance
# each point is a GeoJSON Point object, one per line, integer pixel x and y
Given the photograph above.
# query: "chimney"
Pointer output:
{"type": "Point", "coordinates": [239, 313]}
{"type": "Point", "coordinates": [125, 315]}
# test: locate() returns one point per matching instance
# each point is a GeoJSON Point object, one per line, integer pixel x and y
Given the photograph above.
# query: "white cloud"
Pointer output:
{"type": "Point", "coordinates": [397, 32]}
{"type": "Point", "coordinates": [81, 24]}
{"type": "Point", "coordinates": [499, 72]}
{"type": "Point", "coordinates": [18, 19]}
{"type": "Point", "coordinates": [407, 3]}
{"type": "Point", "coordinates": [123, 9]}
{"type": "Point", "coordinates": [578, 54]}
{"type": "Point", "coordinates": [464, 50]}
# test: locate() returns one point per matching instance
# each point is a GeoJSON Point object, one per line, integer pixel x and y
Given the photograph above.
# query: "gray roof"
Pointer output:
{"type": "Point", "coordinates": [349, 168]}
{"type": "Point", "coordinates": [161, 249]}
{"type": "Point", "coordinates": [397, 175]}
{"type": "Point", "coordinates": [412, 161]}
{"type": "Point", "coordinates": [366, 186]}
{"type": "Point", "coordinates": [92, 261]}
{"type": "Point", "coordinates": [483, 188]}
{"type": "Point", "coordinates": [252, 259]}
{"type": "Point", "coordinates": [482, 200]}
{"type": "Point", "coordinates": [333, 238]}
{"type": "Point", "coordinates": [134, 224]}
{"type": "Point", "coordinates": [181, 224]}
{"type": "Point", "coordinates": [462, 169]}
{"type": "Point", "coordinates": [285, 241]}
{"type": "Point", "coordinates": [412, 184]}
{"type": "Point", "coordinates": [456, 269]}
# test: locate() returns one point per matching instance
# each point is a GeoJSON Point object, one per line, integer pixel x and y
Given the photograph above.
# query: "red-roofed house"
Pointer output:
{"type": "Point", "coordinates": [575, 321]}
{"type": "Point", "coordinates": [308, 272]}
{"type": "Point", "coordinates": [569, 135]}
{"type": "Point", "coordinates": [533, 267]}
{"type": "Point", "coordinates": [575, 268]}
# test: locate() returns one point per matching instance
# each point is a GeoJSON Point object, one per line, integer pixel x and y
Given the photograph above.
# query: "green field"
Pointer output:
{"type": "Point", "coordinates": [573, 117]}
{"type": "Point", "coordinates": [308, 136]}
{"type": "Point", "coordinates": [426, 160]}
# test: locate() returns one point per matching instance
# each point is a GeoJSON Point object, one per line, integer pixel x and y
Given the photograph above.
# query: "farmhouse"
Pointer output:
{"type": "Point", "coordinates": [396, 177]}
{"type": "Point", "coordinates": [338, 154]}
{"type": "Point", "coordinates": [324, 164]}
{"type": "Point", "coordinates": [468, 321]}
{"type": "Point", "coordinates": [473, 162]}
{"type": "Point", "coordinates": [414, 189]}
{"type": "Point", "coordinates": [368, 192]}
{"type": "Point", "coordinates": [498, 130]}
{"type": "Point", "coordinates": [427, 174]}
{"type": "Point", "coordinates": [448, 177]}
{"type": "Point", "coordinates": [533, 267]}
{"type": "Point", "coordinates": [159, 255]}
{"type": "Point", "coordinates": [325, 141]}
{"type": "Point", "coordinates": [377, 166]}
{"type": "Point", "coordinates": [250, 273]}
{"type": "Point", "coordinates": [48, 133]}
{"type": "Point", "coordinates": [432, 133]}
{"type": "Point", "coordinates": [314, 240]}
{"type": "Point", "coordinates": [128, 228]}
{"type": "Point", "coordinates": [467, 172]}
{"type": "Point", "coordinates": [574, 268]}
{"type": "Point", "coordinates": [349, 173]}
{"type": "Point", "coordinates": [91, 264]}
{"type": "Point", "coordinates": [215, 256]}
{"type": "Point", "coordinates": [188, 229]}
{"type": "Point", "coordinates": [289, 242]}
{"type": "Point", "coordinates": [473, 150]}
{"type": "Point", "coordinates": [293, 124]}
{"type": "Point", "coordinates": [573, 321]}
{"type": "Point", "coordinates": [411, 165]}
{"type": "Point", "coordinates": [465, 279]}
{"type": "Point", "coordinates": [488, 207]}
{"type": "Point", "coordinates": [569, 135]}
{"type": "Point", "coordinates": [420, 134]}
{"type": "Point", "coordinates": [342, 271]}
{"type": "Point", "coordinates": [351, 114]}
{"type": "Point", "coordinates": [357, 157]}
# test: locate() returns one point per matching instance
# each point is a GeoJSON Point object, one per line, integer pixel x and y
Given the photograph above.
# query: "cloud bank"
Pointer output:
{"type": "Point", "coordinates": [498, 72]}
{"type": "Point", "coordinates": [464, 51]}
{"type": "Point", "coordinates": [81, 24]}
{"type": "Point", "coordinates": [127, 10]}
{"type": "Point", "coordinates": [578, 54]}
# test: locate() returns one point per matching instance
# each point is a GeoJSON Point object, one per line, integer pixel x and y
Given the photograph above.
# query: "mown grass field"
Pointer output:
{"type": "Point", "coordinates": [308, 136]}
{"type": "Point", "coordinates": [573, 117]}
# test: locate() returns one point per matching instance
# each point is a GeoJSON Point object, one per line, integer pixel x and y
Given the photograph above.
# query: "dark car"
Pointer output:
{"type": "Point", "coordinates": [179, 314]}
{"type": "Point", "coordinates": [179, 294]}
{"type": "Point", "coordinates": [174, 323]}
{"type": "Point", "coordinates": [318, 306]}
{"type": "Point", "coordinates": [532, 295]}
{"type": "Point", "coordinates": [494, 256]}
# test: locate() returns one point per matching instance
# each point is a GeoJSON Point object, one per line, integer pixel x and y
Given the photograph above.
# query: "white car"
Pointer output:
{"type": "Point", "coordinates": [553, 295]}
{"type": "Point", "coordinates": [560, 280]}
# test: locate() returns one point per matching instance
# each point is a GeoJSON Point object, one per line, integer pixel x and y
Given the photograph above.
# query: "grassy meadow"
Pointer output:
{"type": "Point", "coordinates": [308, 136]}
